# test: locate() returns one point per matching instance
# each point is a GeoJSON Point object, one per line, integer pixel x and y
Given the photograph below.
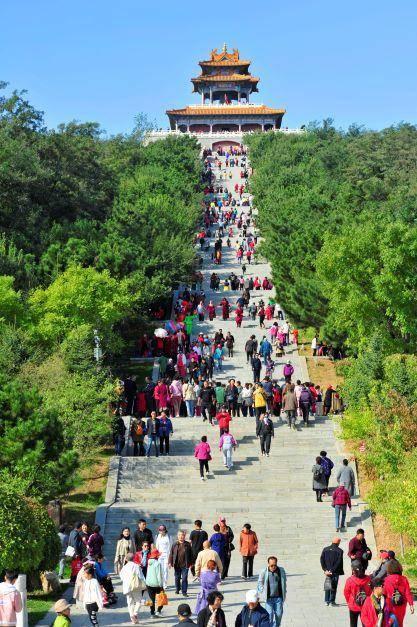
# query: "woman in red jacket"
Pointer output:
{"type": "Point", "coordinates": [396, 584]}
{"type": "Point", "coordinates": [357, 588]}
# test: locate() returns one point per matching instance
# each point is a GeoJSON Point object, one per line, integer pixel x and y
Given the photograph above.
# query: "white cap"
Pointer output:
{"type": "Point", "coordinates": [252, 596]}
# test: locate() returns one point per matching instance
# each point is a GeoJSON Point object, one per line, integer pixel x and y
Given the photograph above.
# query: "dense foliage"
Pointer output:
{"type": "Point", "coordinates": [338, 213]}
{"type": "Point", "coordinates": [93, 231]}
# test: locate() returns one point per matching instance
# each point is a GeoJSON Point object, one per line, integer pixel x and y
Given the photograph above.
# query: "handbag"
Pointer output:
{"type": "Point", "coordinates": [327, 584]}
{"type": "Point", "coordinates": [161, 599]}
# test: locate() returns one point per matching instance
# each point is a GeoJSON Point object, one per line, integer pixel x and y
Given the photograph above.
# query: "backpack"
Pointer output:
{"type": "Point", "coordinates": [397, 598]}
{"type": "Point", "coordinates": [138, 429]}
{"type": "Point", "coordinates": [360, 597]}
{"type": "Point", "coordinates": [318, 474]}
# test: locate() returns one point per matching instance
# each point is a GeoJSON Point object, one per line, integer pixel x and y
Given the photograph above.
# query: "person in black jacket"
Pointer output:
{"type": "Point", "coordinates": [197, 537]}
{"type": "Point", "coordinates": [331, 561]}
{"type": "Point", "coordinates": [142, 534]}
{"type": "Point", "coordinates": [265, 431]}
{"type": "Point", "coordinates": [180, 559]}
{"type": "Point", "coordinates": [214, 600]}
{"type": "Point", "coordinates": [256, 367]}
{"type": "Point", "coordinates": [130, 388]}
{"type": "Point", "coordinates": [208, 398]}
{"type": "Point", "coordinates": [153, 427]}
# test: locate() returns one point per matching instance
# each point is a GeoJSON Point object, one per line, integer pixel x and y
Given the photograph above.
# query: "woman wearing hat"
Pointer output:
{"type": "Point", "coordinates": [63, 610]}
{"type": "Point", "coordinates": [154, 580]}
{"type": "Point", "coordinates": [163, 544]}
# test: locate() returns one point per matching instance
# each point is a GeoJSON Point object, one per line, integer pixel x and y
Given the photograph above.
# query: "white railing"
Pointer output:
{"type": "Point", "coordinates": [166, 133]}
{"type": "Point", "coordinates": [226, 106]}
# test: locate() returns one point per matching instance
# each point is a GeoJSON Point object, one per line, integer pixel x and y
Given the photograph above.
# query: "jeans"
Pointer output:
{"type": "Point", "coordinates": [305, 408]}
{"type": "Point", "coordinates": [265, 443]}
{"type": "Point", "coordinates": [152, 438]}
{"type": "Point", "coordinates": [164, 443]}
{"type": "Point", "coordinates": [141, 446]}
{"type": "Point", "coordinates": [119, 444]}
{"type": "Point", "coordinates": [190, 408]}
{"type": "Point", "coordinates": [274, 607]}
{"type": "Point", "coordinates": [247, 566]}
{"type": "Point", "coordinates": [330, 595]}
{"type": "Point", "coordinates": [61, 567]}
{"type": "Point", "coordinates": [227, 457]}
{"type": "Point", "coordinates": [340, 515]}
{"type": "Point", "coordinates": [291, 417]}
{"type": "Point", "coordinates": [181, 579]}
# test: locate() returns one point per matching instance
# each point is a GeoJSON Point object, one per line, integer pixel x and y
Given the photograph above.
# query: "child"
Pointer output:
{"type": "Point", "coordinates": [93, 597]}
{"type": "Point", "coordinates": [63, 611]}
{"type": "Point", "coordinates": [76, 565]}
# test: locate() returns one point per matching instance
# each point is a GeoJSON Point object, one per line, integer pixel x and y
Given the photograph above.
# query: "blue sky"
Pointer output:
{"type": "Point", "coordinates": [109, 60]}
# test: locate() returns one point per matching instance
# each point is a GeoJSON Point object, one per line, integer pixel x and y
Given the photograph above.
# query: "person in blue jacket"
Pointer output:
{"type": "Point", "coordinates": [252, 613]}
{"type": "Point", "coordinates": [165, 430]}
{"type": "Point", "coordinates": [104, 579]}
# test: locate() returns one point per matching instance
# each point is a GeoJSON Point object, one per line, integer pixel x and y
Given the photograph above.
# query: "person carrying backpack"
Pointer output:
{"type": "Point", "coordinates": [265, 431]}
{"type": "Point", "coordinates": [357, 589]}
{"type": "Point", "coordinates": [328, 466]}
{"type": "Point", "coordinates": [319, 480]}
{"type": "Point", "coordinates": [397, 592]}
{"type": "Point", "coordinates": [137, 433]}
{"type": "Point", "coordinates": [227, 445]}
{"type": "Point", "coordinates": [305, 403]}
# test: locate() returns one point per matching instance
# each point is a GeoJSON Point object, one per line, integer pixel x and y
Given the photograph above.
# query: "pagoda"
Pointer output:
{"type": "Point", "coordinates": [225, 86]}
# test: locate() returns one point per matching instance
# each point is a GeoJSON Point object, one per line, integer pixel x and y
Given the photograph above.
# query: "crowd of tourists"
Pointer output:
{"type": "Point", "coordinates": [191, 363]}
{"type": "Point", "coordinates": [143, 560]}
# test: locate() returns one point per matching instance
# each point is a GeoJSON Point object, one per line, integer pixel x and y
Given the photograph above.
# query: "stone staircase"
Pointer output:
{"type": "Point", "coordinates": [273, 494]}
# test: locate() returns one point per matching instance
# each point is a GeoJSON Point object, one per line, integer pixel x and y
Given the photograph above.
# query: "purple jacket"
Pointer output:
{"type": "Point", "coordinates": [288, 370]}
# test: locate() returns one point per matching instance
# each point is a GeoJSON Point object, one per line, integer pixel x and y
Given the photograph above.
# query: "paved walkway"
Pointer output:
{"type": "Point", "coordinates": [274, 494]}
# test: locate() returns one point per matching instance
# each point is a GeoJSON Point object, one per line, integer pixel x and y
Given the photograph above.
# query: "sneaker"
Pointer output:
{"type": "Point", "coordinates": [342, 529]}
{"type": "Point", "coordinates": [267, 454]}
{"type": "Point", "coordinates": [184, 594]}
{"type": "Point", "coordinates": [177, 591]}
{"type": "Point", "coordinates": [202, 478]}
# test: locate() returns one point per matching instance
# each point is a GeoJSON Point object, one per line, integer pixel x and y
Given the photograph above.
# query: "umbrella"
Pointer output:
{"type": "Point", "coordinates": [160, 333]}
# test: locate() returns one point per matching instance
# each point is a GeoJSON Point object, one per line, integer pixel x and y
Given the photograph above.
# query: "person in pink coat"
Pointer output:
{"type": "Point", "coordinates": [161, 395]}
{"type": "Point", "coordinates": [203, 454]}
{"type": "Point", "coordinates": [182, 365]}
{"type": "Point", "coordinates": [175, 390]}
{"type": "Point", "coordinates": [10, 599]}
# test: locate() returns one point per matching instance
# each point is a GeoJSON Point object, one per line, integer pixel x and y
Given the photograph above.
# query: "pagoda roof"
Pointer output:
{"type": "Point", "coordinates": [226, 78]}
{"type": "Point", "coordinates": [224, 58]}
{"type": "Point", "coordinates": [204, 110]}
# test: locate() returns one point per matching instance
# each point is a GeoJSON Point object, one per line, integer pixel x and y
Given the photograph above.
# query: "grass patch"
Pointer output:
{"type": "Point", "coordinates": [82, 502]}
{"type": "Point", "coordinates": [39, 603]}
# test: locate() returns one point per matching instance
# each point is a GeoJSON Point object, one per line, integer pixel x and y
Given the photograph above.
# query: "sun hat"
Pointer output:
{"type": "Point", "coordinates": [61, 605]}
{"type": "Point", "coordinates": [252, 596]}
